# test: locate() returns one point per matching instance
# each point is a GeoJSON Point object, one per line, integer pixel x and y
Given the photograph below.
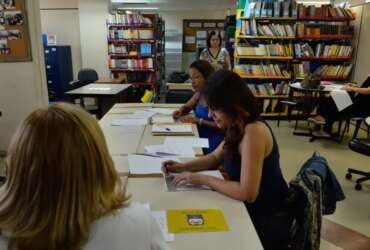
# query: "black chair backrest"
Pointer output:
{"type": "Point", "coordinates": [86, 76]}
{"type": "Point", "coordinates": [178, 96]}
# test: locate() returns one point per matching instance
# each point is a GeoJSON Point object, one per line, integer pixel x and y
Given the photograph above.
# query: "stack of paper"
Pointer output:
{"type": "Point", "coordinates": [161, 219]}
{"type": "Point", "coordinates": [163, 111]}
{"type": "Point", "coordinates": [170, 150]}
{"type": "Point", "coordinates": [162, 119]}
{"type": "Point", "coordinates": [129, 122]}
{"type": "Point", "coordinates": [144, 165]}
{"type": "Point", "coordinates": [341, 99]}
{"type": "Point", "coordinates": [162, 129]}
{"type": "Point", "coordinates": [171, 187]}
{"type": "Point", "coordinates": [193, 142]}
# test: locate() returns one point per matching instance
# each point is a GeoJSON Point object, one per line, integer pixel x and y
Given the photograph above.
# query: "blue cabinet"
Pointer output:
{"type": "Point", "coordinates": [59, 72]}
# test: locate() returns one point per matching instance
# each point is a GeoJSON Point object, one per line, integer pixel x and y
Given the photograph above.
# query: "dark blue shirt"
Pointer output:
{"type": "Point", "coordinates": [214, 136]}
{"type": "Point", "coordinates": [273, 188]}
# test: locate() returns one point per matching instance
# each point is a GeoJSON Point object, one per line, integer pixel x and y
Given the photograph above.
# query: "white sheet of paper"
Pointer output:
{"type": "Point", "coordinates": [129, 122]}
{"type": "Point", "coordinates": [170, 150]}
{"type": "Point", "coordinates": [187, 141]}
{"type": "Point", "coordinates": [100, 88]}
{"type": "Point", "coordinates": [341, 99]}
{"type": "Point", "coordinates": [162, 119]}
{"type": "Point", "coordinates": [172, 128]}
{"type": "Point", "coordinates": [142, 164]}
{"type": "Point", "coordinates": [162, 111]}
{"type": "Point", "coordinates": [161, 218]}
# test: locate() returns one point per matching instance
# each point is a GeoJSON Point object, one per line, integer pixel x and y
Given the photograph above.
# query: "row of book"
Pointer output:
{"type": "Point", "coordinates": [143, 49]}
{"type": "Point", "coordinates": [133, 77]}
{"type": "Point", "coordinates": [116, 33]}
{"type": "Point", "coordinates": [330, 71]}
{"type": "Point", "coordinates": [266, 50]}
{"type": "Point", "coordinates": [268, 89]}
{"type": "Point", "coordinates": [324, 11]}
{"type": "Point", "coordinates": [250, 27]}
{"type": "Point", "coordinates": [322, 50]}
{"type": "Point", "coordinates": [131, 64]}
{"type": "Point", "coordinates": [262, 69]}
{"type": "Point", "coordinates": [339, 71]}
{"type": "Point", "coordinates": [270, 8]}
{"type": "Point", "coordinates": [128, 19]}
{"type": "Point", "coordinates": [317, 29]}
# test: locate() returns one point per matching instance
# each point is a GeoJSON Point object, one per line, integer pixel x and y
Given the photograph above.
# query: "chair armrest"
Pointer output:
{"type": "Point", "coordinates": [74, 83]}
{"type": "Point", "coordinates": [357, 119]}
{"type": "Point", "coordinates": [289, 103]}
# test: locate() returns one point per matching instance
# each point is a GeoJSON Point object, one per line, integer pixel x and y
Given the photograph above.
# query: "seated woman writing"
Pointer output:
{"type": "Point", "coordinates": [199, 72]}
{"type": "Point", "coordinates": [328, 112]}
{"type": "Point", "coordinates": [250, 155]}
{"type": "Point", "coordinates": [63, 192]}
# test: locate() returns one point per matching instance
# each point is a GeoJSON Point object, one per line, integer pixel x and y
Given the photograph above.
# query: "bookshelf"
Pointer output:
{"type": "Point", "coordinates": [297, 38]}
{"type": "Point", "coordinates": [135, 49]}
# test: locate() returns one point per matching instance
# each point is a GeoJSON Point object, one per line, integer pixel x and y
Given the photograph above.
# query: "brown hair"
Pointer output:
{"type": "Point", "coordinates": [214, 33]}
{"type": "Point", "coordinates": [204, 67]}
{"type": "Point", "coordinates": [228, 93]}
{"type": "Point", "coordinates": [60, 179]}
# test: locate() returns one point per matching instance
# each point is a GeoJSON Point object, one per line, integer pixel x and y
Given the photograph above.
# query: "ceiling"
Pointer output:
{"type": "Point", "coordinates": [180, 5]}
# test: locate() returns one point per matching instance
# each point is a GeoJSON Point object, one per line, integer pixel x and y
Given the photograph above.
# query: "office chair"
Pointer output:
{"type": "Point", "coordinates": [361, 146]}
{"type": "Point", "coordinates": [85, 76]}
{"type": "Point", "coordinates": [178, 96]}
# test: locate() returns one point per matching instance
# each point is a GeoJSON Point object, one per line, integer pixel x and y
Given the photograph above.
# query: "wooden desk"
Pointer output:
{"type": "Point", "coordinates": [242, 234]}
{"type": "Point", "coordinates": [121, 164]}
{"type": "Point", "coordinates": [106, 94]}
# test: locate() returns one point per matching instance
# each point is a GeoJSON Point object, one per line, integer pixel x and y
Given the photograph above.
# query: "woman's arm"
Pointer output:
{"type": "Point", "coordinates": [362, 91]}
{"type": "Point", "coordinates": [187, 107]}
{"type": "Point", "coordinates": [227, 61]}
{"type": "Point", "coordinates": [253, 150]}
{"type": "Point", "coordinates": [210, 161]}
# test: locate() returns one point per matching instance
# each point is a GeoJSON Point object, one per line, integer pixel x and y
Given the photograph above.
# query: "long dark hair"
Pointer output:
{"type": "Point", "coordinates": [213, 33]}
{"type": "Point", "coordinates": [204, 67]}
{"type": "Point", "coordinates": [228, 93]}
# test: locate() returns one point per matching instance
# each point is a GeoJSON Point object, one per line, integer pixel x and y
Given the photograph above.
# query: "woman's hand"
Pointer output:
{"type": "Point", "coordinates": [190, 178]}
{"type": "Point", "coordinates": [348, 88]}
{"type": "Point", "coordinates": [189, 119]}
{"type": "Point", "coordinates": [172, 167]}
{"type": "Point", "coordinates": [176, 114]}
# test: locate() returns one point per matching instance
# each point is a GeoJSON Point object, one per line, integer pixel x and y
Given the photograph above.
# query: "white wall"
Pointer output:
{"type": "Point", "coordinates": [60, 18]}
{"type": "Point", "coordinates": [23, 85]}
{"type": "Point", "coordinates": [362, 68]}
{"type": "Point", "coordinates": [94, 48]}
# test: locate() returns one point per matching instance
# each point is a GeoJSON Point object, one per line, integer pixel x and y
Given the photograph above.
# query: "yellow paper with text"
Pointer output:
{"type": "Point", "coordinates": [196, 221]}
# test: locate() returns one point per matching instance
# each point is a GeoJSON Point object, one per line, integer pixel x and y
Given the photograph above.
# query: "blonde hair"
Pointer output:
{"type": "Point", "coordinates": [60, 179]}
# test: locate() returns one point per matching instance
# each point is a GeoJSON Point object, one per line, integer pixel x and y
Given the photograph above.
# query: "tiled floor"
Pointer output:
{"type": "Point", "coordinates": [349, 227]}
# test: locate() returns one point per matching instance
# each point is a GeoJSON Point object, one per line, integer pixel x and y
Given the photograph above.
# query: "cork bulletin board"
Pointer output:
{"type": "Point", "coordinates": [195, 32]}
{"type": "Point", "coordinates": [14, 34]}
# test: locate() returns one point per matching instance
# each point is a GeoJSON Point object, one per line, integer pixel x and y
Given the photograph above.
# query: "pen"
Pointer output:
{"type": "Point", "coordinates": [167, 129]}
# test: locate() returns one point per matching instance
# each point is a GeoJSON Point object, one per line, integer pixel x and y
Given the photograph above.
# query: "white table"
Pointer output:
{"type": "Point", "coordinates": [242, 234]}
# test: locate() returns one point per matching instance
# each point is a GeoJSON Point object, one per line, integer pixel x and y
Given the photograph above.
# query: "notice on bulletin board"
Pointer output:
{"type": "Point", "coordinates": [14, 36]}
{"type": "Point", "coordinates": [190, 39]}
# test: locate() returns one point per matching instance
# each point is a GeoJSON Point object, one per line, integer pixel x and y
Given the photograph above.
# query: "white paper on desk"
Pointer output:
{"type": "Point", "coordinates": [162, 111]}
{"type": "Point", "coordinates": [170, 150]}
{"type": "Point", "coordinates": [341, 98]}
{"type": "Point", "coordinates": [100, 88]}
{"type": "Point", "coordinates": [162, 119]}
{"type": "Point", "coordinates": [161, 218]}
{"type": "Point", "coordinates": [187, 141]}
{"type": "Point", "coordinates": [171, 187]}
{"type": "Point", "coordinates": [129, 122]}
{"type": "Point", "coordinates": [142, 164]}
{"type": "Point", "coordinates": [172, 128]}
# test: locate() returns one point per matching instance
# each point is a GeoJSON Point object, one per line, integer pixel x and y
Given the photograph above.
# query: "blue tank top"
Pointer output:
{"type": "Point", "coordinates": [214, 137]}
{"type": "Point", "coordinates": [273, 188]}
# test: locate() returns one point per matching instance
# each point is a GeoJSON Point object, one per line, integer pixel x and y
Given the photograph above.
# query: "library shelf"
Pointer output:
{"type": "Point", "coordinates": [329, 59]}
{"type": "Point", "coordinates": [265, 57]}
{"type": "Point", "coordinates": [110, 40]}
{"type": "Point", "coordinates": [326, 37]}
{"type": "Point", "coordinates": [267, 37]}
{"type": "Point", "coordinates": [131, 70]}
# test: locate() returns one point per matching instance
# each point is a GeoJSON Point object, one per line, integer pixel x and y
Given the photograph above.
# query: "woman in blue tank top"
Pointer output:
{"type": "Point", "coordinates": [250, 156]}
{"type": "Point", "coordinates": [199, 71]}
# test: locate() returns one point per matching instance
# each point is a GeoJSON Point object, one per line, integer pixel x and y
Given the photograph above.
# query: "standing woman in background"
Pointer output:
{"type": "Point", "coordinates": [217, 56]}
{"type": "Point", "coordinates": [199, 72]}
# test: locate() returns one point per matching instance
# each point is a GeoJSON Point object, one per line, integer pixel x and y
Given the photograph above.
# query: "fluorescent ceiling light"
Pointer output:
{"type": "Point", "coordinates": [138, 8]}
{"type": "Point", "coordinates": [131, 1]}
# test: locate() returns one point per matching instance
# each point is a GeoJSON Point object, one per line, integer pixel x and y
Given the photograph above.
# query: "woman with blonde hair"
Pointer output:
{"type": "Point", "coordinates": [62, 191]}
